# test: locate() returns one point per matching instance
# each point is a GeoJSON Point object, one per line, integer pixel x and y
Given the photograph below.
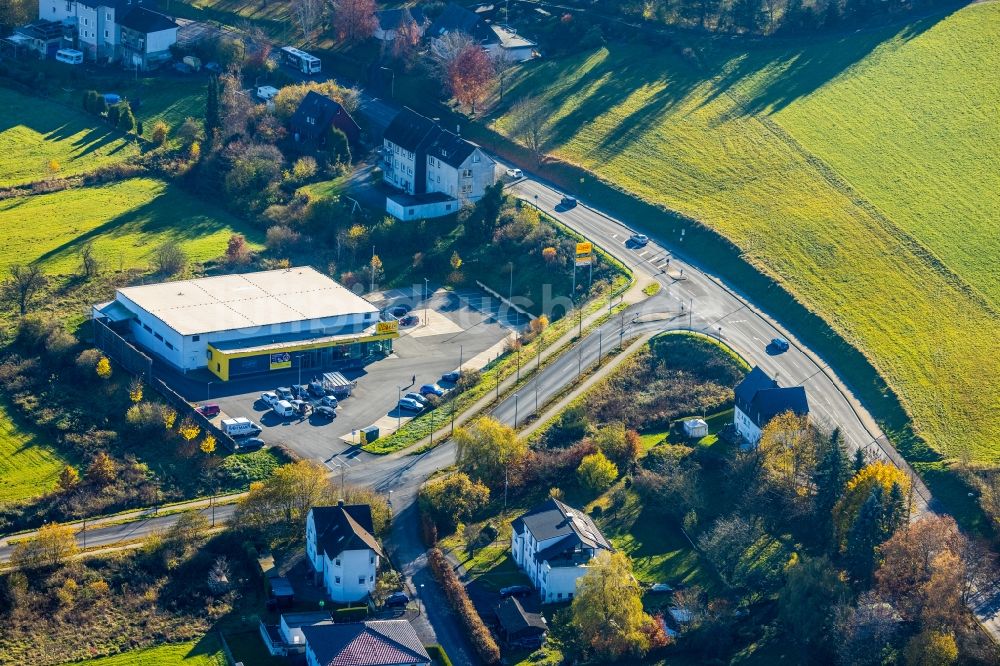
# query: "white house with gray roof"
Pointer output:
{"type": "Point", "coordinates": [553, 544]}
{"type": "Point", "coordinates": [342, 550]}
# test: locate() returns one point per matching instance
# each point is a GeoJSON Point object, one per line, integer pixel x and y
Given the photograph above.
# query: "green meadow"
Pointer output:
{"type": "Point", "coordinates": [126, 221]}
{"type": "Point", "coordinates": [206, 652]}
{"type": "Point", "coordinates": [28, 467]}
{"type": "Point", "coordinates": [859, 172]}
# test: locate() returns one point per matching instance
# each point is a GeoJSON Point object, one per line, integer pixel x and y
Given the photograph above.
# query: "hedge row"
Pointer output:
{"type": "Point", "coordinates": [480, 636]}
{"type": "Point", "coordinates": [354, 614]}
{"type": "Point", "coordinates": [438, 654]}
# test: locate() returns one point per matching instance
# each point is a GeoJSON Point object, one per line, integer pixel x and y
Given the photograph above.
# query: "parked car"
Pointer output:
{"type": "Point", "coordinates": [329, 401]}
{"type": "Point", "coordinates": [284, 393]}
{"type": "Point", "coordinates": [240, 426]}
{"type": "Point", "coordinates": [515, 591]}
{"type": "Point", "coordinates": [660, 587]}
{"type": "Point", "coordinates": [283, 408]}
{"type": "Point", "coordinates": [567, 202]}
{"type": "Point", "coordinates": [397, 599]}
{"type": "Point", "coordinates": [780, 345]}
{"type": "Point", "coordinates": [410, 404]}
{"type": "Point", "coordinates": [316, 389]}
{"type": "Point", "coordinates": [209, 410]}
{"type": "Point", "coordinates": [409, 320]}
{"type": "Point", "coordinates": [639, 240]}
{"type": "Point", "coordinates": [432, 389]}
{"type": "Point", "coordinates": [301, 391]}
{"type": "Point", "coordinates": [399, 310]}
{"type": "Point", "coordinates": [515, 173]}
{"type": "Point", "coordinates": [269, 398]}
{"type": "Point", "coordinates": [325, 412]}
{"type": "Point", "coordinates": [452, 376]}
{"type": "Point", "coordinates": [301, 407]}
{"type": "Point", "coordinates": [249, 444]}
{"type": "Point", "coordinates": [416, 396]}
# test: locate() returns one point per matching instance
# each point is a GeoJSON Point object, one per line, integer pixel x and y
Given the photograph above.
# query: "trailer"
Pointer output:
{"type": "Point", "coordinates": [337, 385]}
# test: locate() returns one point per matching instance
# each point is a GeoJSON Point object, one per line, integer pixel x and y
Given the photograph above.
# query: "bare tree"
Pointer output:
{"type": "Point", "coordinates": [169, 259]}
{"type": "Point", "coordinates": [23, 284]}
{"type": "Point", "coordinates": [529, 116]}
{"type": "Point", "coordinates": [446, 49]}
{"type": "Point", "coordinates": [307, 14]}
{"type": "Point", "coordinates": [88, 260]}
{"type": "Point", "coordinates": [502, 63]}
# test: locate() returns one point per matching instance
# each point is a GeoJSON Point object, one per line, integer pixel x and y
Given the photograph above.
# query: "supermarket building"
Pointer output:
{"type": "Point", "coordinates": [251, 323]}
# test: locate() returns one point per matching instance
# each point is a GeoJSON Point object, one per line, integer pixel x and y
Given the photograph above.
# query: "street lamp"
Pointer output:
{"type": "Point", "coordinates": [426, 281]}
{"type": "Point", "coordinates": [515, 411]}
{"type": "Point", "coordinates": [300, 357]}
{"type": "Point", "coordinates": [208, 391]}
{"type": "Point", "coordinates": [392, 83]}
{"type": "Point", "coordinates": [399, 409]}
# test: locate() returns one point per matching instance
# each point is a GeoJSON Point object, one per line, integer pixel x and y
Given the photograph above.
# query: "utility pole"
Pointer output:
{"type": "Point", "coordinates": [515, 411]}
{"type": "Point", "coordinates": [85, 533]}
{"type": "Point", "coordinates": [600, 346]}
{"type": "Point", "coordinates": [580, 317]}
{"type": "Point", "coordinates": [621, 334]}
{"type": "Point", "coordinates": [579, 362]}
{"type": "Point", "coordinates": [425, 301]}
{"type": "Point", "coordinates": [510, 290]}
{"type": "Point", "coordinates": [690, 314]}
{"type": "Point", "coordinates": [372, 266]}
{"type": "Point", "coordinates": [505, 471]}
{"type": "Point", "coordinates": [518, 363]}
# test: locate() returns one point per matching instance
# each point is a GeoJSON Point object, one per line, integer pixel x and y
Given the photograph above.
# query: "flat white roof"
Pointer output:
{"type": "Point", "coordinates": [510, 39]}
{"type": "Point", "coordinates": [228, 302]}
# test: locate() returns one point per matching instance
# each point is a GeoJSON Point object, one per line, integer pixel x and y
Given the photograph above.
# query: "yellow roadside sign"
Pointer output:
{"type": "Point", "coordinates": [386, 327]}
{"type": "Point", "coordinates": [584, 248]}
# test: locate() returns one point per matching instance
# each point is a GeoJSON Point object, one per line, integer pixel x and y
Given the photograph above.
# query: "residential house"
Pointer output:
{"type": "Point", "coordinates": [317, 114]}
{"type": "Point", "coordinates": [517, 626]}
{"type": "Point", "coordinates": [435, 170]}
{"type": "Point", "coordinates": [389, 21]}
{"type": "Point", "coordinates": [553, 544]}
{"type": "Point", "coordinates": [43, 37]}
{"type": "Point", "coordinates": [372, 643]}
{"type": "Point", "coordinates": [759, 399]}
{"type": "Point", "coordinates": [511, 46]}
{"type": "Point", "coordinates": [456, 18]}
{"type": "Point", "coordinates": [286, 637]}
{"type": "Point", "coordinates": [115, 30]}
{"type": "Point", "coordinates": [342, 550]}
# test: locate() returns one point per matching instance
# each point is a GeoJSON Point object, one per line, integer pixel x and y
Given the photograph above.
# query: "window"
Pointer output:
{"type": "Point", "coordinates": [559, 596]}
{"type": "Point", "coordinates": [439, 178]}
{"type": "Point", "coordinates": [147, 328]}
{"type": "Point", "coordinates": [336, 579]}
{"type": "Point", "coordinates": [86, 21]}
{"type": "Point", "coordinates": [475, 158]}
{"type": "Point", "coordinates": [371, 579]}
{"type": "Point", "coordinates": [218, 367]}
{"type": "Point", "coordinates": [208, 353]}
{"type": "Point", "coordinates": [409, 211]}
{"type": "Point", "coordinates": [447, 207]}
{"type": "Point", "coordinates": [106, 34]}
{"type": "Point", "coordinates": [466, 173]}
{"type": "Point", "coordinates": [169, 346]}
{"type": "Point", "coordinates": [361, 580]}
{"type": "Point", "coordinates": [195, 338]}
{"type": "Point", "coordinates": [466, 189]}
{"type": "Point", "coordinates": [337, 562]}
{"type": "Point", "coordinates": [108, 16]}
{"type": "Point", "coordinates": [310, 120]}
{"type": "Point", "coordinates": [371, 559]}
{"type": "Point", "coordinates": [158, 337]}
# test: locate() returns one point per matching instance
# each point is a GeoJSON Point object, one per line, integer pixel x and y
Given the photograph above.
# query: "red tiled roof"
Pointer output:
{"type": "Point", "coordinates": [375, 643]}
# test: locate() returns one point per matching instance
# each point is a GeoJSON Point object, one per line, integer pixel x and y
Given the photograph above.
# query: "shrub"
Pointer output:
{"type": "Point", "coordinates": [596, 472]}
{"type": "Point", "coordinates": [282, 239]}
{"type": "Point", "coordinates": [159, 134]}
{"type": "Point", "coordinates": [438, 655]}
{"type": "Point", "coordinates": [459, 600]}
{"type": "Point", "coordinates": [355, 614]}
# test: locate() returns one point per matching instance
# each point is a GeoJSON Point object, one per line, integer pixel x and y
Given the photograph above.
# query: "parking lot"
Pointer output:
{"type": "Point", "coordinates": [452, 327]}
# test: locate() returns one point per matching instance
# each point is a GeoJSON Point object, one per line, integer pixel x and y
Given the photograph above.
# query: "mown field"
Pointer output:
{"type": "Point", "coordinates": [887, 235]}
{"type": "Point", "coordinates": [35, 132]}
{"type": "Point", "coordinates": [28, 468]}
{"type": "Point", "coordinates": [206, 652]}
{"type": "Point", "coordinates": [125, 221]}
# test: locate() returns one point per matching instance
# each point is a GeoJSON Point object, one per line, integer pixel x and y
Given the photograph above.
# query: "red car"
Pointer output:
{"type": "Point", "coordinates": [208, 411]}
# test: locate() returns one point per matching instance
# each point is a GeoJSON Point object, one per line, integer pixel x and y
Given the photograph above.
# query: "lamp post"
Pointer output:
{"type": "Point", "coordinates": [510, 290]}
{"type": "Point", "coordinates": [208, 391]}
{"type": "Point", "coordinates": [299, 357]}
{"type": "Point", "coordinates": [399, 409]}
{"type": "Point", "coordinates": [392, 81]}
{"type": "Point", "coordinates": [515, 411]}
{"type": "Point", "coordinates": [426, 281]}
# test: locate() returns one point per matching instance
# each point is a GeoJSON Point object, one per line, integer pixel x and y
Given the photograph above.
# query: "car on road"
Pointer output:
{"type": "Point", "coordinates": [269, 398]}
{"type": "Point", "coordinates": [397, 599]}
{"type": "Point", "coordinates": [515, 173]}
{"type": "Point", "coordinates": [416, 396]}
{"type": "Point", "coordinates": [452, 376]}
{"type": "Point", "coordinates": [410, 405]}
{"type": "Point", "coordinates": [567, 202]}
{"type": "Point", "coordinates": [779, 345]}
{"type": "Point", "coordinates": [409, 320]}
{"type": "Point", "coordinates": [639, 240]}
{"type": "Point", "coordinates": [400, 310]}
{"type": "Point", "coordinates": [284, 393]}
{"type": "Point", "coordinates": [329, 401]}
{"type": "Point", "coordinates": [660, 587]}
{"type": "Point", "coordinates": [515, 591]}
{"type": "Point", "coordinates": [240, 426]}
{"type": "Point", "coordinates": [209, 410]}
{"type": "Point", "coordinates": [432, 389]}
{"type": "Point", "coordinates": [249, 444]}
{"type": "Point", "coordinates": [325, 412]}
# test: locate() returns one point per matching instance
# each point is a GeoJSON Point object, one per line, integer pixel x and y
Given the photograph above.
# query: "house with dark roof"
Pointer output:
{"type": "Point", "coordinates": [44, 37]}
{"type": "Point", "coordinates": [315, 116]}
{"type": "Point", "coordinates": [759, 399]}
{"type": "Point", "coordinates": [435, 171]}
{"type": "Point", "coordinates": [372, 643]}
{"type": "Point", "coordinates": [389, 21]}
{"type": "Point", "coordinates": [115, 30]}
{"type": "Point", "coordinates": [343, 551]}
{"type": "Point", "coordinates": [518, 627]}
{"type": "Point", "coordinates": [456, 18]}
{"type": "Point", "coordinates": [553, 544]}
{"type": "Point", "coordinates": [286, 637]}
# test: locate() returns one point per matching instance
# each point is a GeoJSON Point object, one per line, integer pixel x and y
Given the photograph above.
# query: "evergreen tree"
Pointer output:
{"type": "Point", "coordinates": [213, 119]}
{"type": "Point", "coordinates": [832, 473]}
{"type": "Point", "coordinates": [865, 536]}
{"type": "Point", "coordinates": [114, 114]}
{"type": "Point", "coordinates": [338, 146]}
{"type": "Point", "coordinates": [126, 121]}
{"type": "Point", "coordinates": [895, 511]}
{"type": "Point", "coordinates": [101, 104]}
{"type": "Point", "coordinates": [859, 461]}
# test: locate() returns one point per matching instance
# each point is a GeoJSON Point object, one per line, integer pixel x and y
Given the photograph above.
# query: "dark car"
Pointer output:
{"type": "Point", "coordinates": [409, 320]}
{"type": "Point", "coordinates": [568, 202]}
{"type": "Point", "coordinates": [250, 444]}
{"type": "Point", "coordinates": [431, 389]}
{"type": "Point", "coordinates": [397, 599]}
{"type": "Point", "coordinates": [515, 591]}
{"type": "Point", "coordinates": [325, 412]}
{"type": "Point", "coordinates": [300, 390]}
{"type": "Point", "coordinates": [209, 410]}
{"type": "Point", "coordinates": [452, 376]}
{"type": "Point", "coordinates": [779, 345]}
{"type": "Point", "coordinates": [316, 389]}
{"type": "Point", "coordinates": [399, 310]}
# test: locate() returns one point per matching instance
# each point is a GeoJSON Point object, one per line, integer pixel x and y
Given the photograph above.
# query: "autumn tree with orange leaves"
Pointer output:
{"type": "Point", "coordinates": [354, 20]}
{"type": "Point", "coordinates": [470, 76]}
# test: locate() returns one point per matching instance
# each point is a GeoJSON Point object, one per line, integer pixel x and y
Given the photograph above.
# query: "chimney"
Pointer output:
{"type": "Point", "coordinates": [340, 502]}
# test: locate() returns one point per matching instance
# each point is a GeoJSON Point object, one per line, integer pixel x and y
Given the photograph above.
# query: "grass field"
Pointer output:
{"type": "Point", "coordinates": [753, 146]}
{"type": "Point", "coordinates": [125, 221]}
{"type": "Point", "coordinates": [206, 652]}
{"type": "Point", "coordinates": [27, 467]}
{"type": "Point", "coordinates": [33, 132]}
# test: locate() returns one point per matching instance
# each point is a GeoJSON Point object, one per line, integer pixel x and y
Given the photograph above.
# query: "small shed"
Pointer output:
{"type": "Point", "coordinates": [695, 428]}
{"type": "Point", "coordinates": [518, 627]}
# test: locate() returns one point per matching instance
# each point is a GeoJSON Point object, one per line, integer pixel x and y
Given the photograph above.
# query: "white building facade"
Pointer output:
{"type": "Point", "coordinates": [343, 553]}
{"type": "Point", "coordinates": [758, 399]}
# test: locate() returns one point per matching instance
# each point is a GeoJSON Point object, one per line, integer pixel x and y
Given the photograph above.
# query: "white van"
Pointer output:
{"type": "Point", "coordinates": [239, 427]}
{"type": "Point", "coordinates": [283, 408]}
{"type": "Point", "coordinates": [266, 93]}
{"type": "Point", "coordinates": [69, 56]}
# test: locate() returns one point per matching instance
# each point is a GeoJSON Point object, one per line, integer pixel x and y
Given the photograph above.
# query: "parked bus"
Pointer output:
{"type": "Point", "coordinates": [69, 56]}
{"type": "Point", "coordinates": [300, 60]}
